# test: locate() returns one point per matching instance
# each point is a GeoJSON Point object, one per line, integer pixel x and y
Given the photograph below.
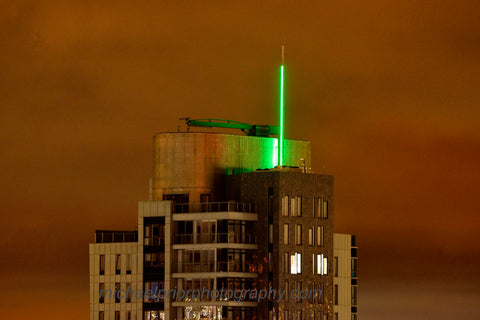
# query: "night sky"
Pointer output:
{"type": "Point", "coordinates": [387, 91]}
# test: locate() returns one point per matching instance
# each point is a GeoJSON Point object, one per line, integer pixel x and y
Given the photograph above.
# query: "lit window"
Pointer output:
{"type": "Point", "coordinates": [285, 206]}
{"type": "Point", "coordinates": [310, 236]}
{"type": "Point", "coordinates": [296, 263]}
{"type": "Point", "coordinates": [325, 209]}
{"type": "Point", "coordinates": [322, 264]}
{"type": "Point", "coordinates": [320, 236]}
{"type": "Point", "coordinates": [296, 206]}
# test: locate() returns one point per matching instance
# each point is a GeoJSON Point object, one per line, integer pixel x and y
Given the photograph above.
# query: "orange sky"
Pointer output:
{"type": "Point", "coordinates": [388, 90]}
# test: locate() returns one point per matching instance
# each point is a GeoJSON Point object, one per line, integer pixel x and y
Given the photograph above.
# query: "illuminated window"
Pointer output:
{"type": "Point", "coordinates": [322, 265]}
{"type": "Point", "coordinates": [298, 235]}
{"type": "Point", "coordinates": [285, 233]}
{"type": "Point", "coordinates": [320, 236]}
{"type": "Point", "coordinates": [296, 263]}
{"type": "Point", "coordinates": [310, 236]}
{"type": "Point", "coordinates": [325, 209]}
{"type": "Point", "coordinates": [296, 206]}
{"type": "Point", "coordinates": [102, 264]}
{"type": "Point", "coordinates": [285, 206]}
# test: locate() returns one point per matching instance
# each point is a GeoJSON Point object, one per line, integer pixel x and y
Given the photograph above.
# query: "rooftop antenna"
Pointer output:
{"type": "Point", "coordinates": [280, 149]}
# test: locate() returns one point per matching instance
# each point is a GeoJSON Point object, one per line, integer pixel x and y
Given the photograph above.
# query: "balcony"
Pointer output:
{"type": "Point", "coordinates": [214, 207]}
{"type": "Point", "coordinates": [216, 266]}
{"type": "Point", "coordinates": [216, 238]}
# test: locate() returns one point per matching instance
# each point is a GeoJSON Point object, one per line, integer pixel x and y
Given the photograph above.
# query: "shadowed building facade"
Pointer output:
{"type": "Point", "coordinates": [222, 217]}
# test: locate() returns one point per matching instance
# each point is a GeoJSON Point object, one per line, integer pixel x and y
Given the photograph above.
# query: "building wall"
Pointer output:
{"type": "Point", "coordinates": [255, 187]}
{"type": "Point", "coordinates": [197, 163]}
{"type": "Point", "coordinates": [109, 306]}
{"type": "Point", "coordinates": [343, 276]}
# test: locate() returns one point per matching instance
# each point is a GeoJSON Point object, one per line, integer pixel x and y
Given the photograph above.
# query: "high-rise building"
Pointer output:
{"type": "Point", "coordinates": [227, 234]}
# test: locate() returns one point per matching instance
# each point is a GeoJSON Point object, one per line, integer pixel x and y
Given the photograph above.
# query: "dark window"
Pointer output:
{"type": "Point", "coordinates": [102, 264]}
{"type": "Point", "coordinates": [118, 266]}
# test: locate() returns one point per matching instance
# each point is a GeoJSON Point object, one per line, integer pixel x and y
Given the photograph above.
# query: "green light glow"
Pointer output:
{"type": "Point", "coordinates": [275, 153]}
{"type": "Point", "coordinates": [280, 149]}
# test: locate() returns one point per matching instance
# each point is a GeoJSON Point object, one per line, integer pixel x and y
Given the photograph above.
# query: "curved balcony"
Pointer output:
{"type": "Point", "coordinates": [202, 238]}
{"type": "Point", "coordinates": [226, 206]}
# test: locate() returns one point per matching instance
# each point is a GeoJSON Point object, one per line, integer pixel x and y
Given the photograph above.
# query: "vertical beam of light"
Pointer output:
{"type": "Point", "coordinates": [280, 149]}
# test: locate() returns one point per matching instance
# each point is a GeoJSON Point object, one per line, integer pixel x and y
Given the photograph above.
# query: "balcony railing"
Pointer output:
{"type": "Point", "coordinates": [219, 266]}
{"type": "Point", "coordinates": [216, 238]}
{"type": "Point", "coordinates": [215, 207]}
{"type": "Point", "coordinates": [108, 236]}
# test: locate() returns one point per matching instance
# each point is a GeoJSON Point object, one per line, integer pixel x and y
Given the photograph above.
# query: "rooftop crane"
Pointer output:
{"type": "Point", "coordinates": [248, 129]}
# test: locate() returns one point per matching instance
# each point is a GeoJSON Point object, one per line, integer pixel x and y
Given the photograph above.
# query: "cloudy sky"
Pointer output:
{"type": "Point", "coordinates": [387, 91]}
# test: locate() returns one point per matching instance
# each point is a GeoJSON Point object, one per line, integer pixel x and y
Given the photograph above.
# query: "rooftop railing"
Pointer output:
{"type": "Point", "coordinates": [215, 207]}
{"type": "Point", "coordinates": [109, 236]}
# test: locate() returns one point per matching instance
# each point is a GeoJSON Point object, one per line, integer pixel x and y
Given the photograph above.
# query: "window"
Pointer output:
{"type": "Point", "coordinates": [117, 264]}
{"type": "Point", "coordinates": [296, 263]}
{"type": "Point", "coordinates": [336, 315]}
{"type": "Point", "coordinates": [296, 206]}
{"type": "Point", "coordinates": [129, 264]}
{"type": "Point", "coordinates": [117, 292]}
{"type": "Point", "coordinates": [310, 236]}
{"type": "Point", "coordinates": [129, 315]}
{"type": "Point", "coordinates": [299, 289]}
{"type": "Point", "coordinates": [128, 294]}
{"type": "Point", "coordinates": [325, 209]}
{"type": "Point", "coordinates": [117, 315]}
{"type": "Point", "coordinates": [102, 264]}
{"type": "Point", "coordinates": [286, 262]}
{"type": "Point", "coordinates": [287, 291]}
{"type": "Point", "coordinates": [101, 315]}
{"type": "Point", "coordinates": [101, 293]}
{"type": "Point", "coordinates": [354, 268]}
{"type": "Point", "coordinates": [298, 235]}
{"type": "Point", "coordinates": [320, 237]}
{"type": "Point", "coordinates": [320, 208]}
{"type": "Point", "coordinates": [354, 296]}
{"type": "Point", "coordinates": [335, 266]}
{"type": "Point", "coordinates": [285, 206]}
{"type": "Point", "coordinates": [285, 233]}
{"type": "Point", "coordinates": [322, 265]}
{"type": "Point", "coordinates": [336, 294]}
{"type": "Point", "coordinates": [270, 233]}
